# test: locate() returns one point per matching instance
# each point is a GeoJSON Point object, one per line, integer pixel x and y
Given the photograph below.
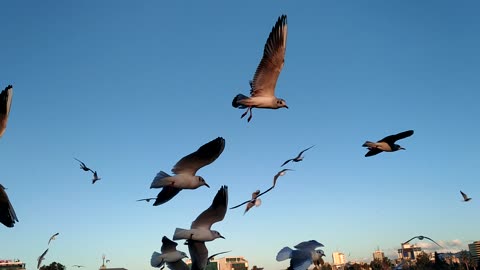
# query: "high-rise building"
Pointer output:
{"type": "Point", "coordinates": [474, 249]}
{"type": "Point", "coordinates": [12, 265]}
{"type": "Point", "coordinates": [409, 252]}
{"type": "Point", "coordinates": [378, 254]}
{"type": "Point", "coordinates": [338, 258]}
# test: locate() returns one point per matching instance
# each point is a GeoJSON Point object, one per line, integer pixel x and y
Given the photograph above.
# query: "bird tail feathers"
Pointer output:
{"type": "Point", "coordinates": [181, 234]}
{"type": "Point", "coordinates": [369, 144]}
{"type": "Point", "coordinates": [156, 260]}
{"type": "Point", "coordinates": [236, 99]}
{"type": "Point", "coordinates": [284, 254]}
{"type": "Point", "coordinates": [159, 180]}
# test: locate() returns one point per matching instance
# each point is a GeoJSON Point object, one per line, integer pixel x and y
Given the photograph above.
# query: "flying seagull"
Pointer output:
{"type": "Point", "coordinates": [386, 144]}
{"type": "Point", "coordinates": [7, 213]}
{"type": "Point", "coordinates": [254, 201]}
{"type": "Point", "coordinates": [303, 256]}
{"type": "Point", "coordinates": [78, 266]}
{"type": "Point", "coordinates": [41, 258]}
{"type": "Point", "coordinates": [147, 199]}
{"type": "Point", "coordinates": [262, 87]}
{"type": "Point", "coordinates": [53, 237]}
{"type": "Point", "coordinates": [95, 177]}
{"type": "Point", "coordinates": [465, 197]}
{"type": "Point", "coordinates": [297, 158]}
{"type": "Point", "coordinates": [5, 104]}
{"type": "Point", "coordinates": [169, 255]}
{"type": "Point", "coordinates": [83, 166]}
{"type": "Point", "coordinates": [421, 237]}
{"type": "Point", "coordinates": [185, 171]}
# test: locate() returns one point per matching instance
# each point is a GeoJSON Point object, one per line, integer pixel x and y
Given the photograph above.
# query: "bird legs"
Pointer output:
{"type": "Point", "coordinates": [245, 113]}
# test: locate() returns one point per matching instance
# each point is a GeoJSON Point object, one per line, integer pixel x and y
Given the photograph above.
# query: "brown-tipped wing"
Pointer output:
{"type": "Point", "coordinates": [5, 103]}
{"type": "Point", "coordinates": [168, 245]}
{"type": "Point", "coordinates": [266, 75]}
{"type": "Point", "coordinates": [166, 194]}
{"type": "Point", "coordinates": [198, 254]}
{"type": "Point", "coordinates": [373, 152]}
{"type": "Point", "coordinates": [393, 138]}
{"type": "Point", "coordinates": [464, 195]}
{"type": "Point", "coordinates": [205, 155]}
{"type": "Point", "coordinates": [216, 212]}
{"type": "Point", "coordinates": [7, 213]}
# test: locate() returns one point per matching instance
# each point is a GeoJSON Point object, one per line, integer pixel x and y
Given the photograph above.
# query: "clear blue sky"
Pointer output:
{"type": "Point", "coordinates": [130, 88]}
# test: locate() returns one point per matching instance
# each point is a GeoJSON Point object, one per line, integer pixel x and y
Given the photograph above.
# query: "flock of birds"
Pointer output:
{"type": "Point", "coordinates": [262, 96]}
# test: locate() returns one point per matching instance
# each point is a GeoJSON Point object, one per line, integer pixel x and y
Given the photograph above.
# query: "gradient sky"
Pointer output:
{"type": "Point", "coordinates": [130, 88]}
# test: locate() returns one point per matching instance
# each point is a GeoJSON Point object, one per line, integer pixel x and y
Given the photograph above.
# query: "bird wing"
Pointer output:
{"type": "Point", "coordinates": [299, 155]}
{"type": "Point", "coordinates": [373, 152]}
{"type": "Point", "coordinates": [236, 206]}
{"type": "Point", "coordinates": [393, 138]}
{"type": "Point", "coordinates": [216, 212]}
{"type": "Point", "coordinates": [286, 162]}
{"type": "Point", "coordinates": [52, 237]}
{"type": "Point", "coordinates": [178, 265]}
{"type": "Point", "coordinates": [432, 241]}
{"type": "Point", "coordinates": [7, 213]}
{"type": "Point", "coordinates": [309, 245]}
{"type": "Point", "coordinates": [254, 196]}
{"type": "Point", "coordinates": [278, 175]}
{"type": "Point", "coordinates": [41, 258]}
{"type": "Point", "coordinates": [168, 245]}
{"type": "Point", "coordinates": [166, 194]}
{"type": "Point", "coordinates": [410, 239]}
{"type": "Point", "coordinates": [198, 254]}
{"type": "Point", "coordinates": [464, 195]}
{"type": "Point", "coordinates": [300, 260]}
{"type": "Point", "coordinates": [205, 155]}
{"type": "Point", "coordinates": [268, 70]}
{"type": "Point", "coordinates": [5, 103]}
{"type": "Point", "coordinates": [213, 256]}
{"type": "Point", "coordinates": [266, 191]}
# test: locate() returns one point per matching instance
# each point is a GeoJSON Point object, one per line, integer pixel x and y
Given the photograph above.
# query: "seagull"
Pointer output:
{"type": "Point", "coordinates": [95, 177]}
{"type": "Point", "coordinates": [5, 104]}
{"type": "Point", "coordinates": [255, 201]}
{"type": "Point", "coordinates": [78, 266]}
{"type": "Point", "coordinates": [200, 228]}
{"type": "Point", "coordinates": [303, 256]}
{"type": "Point", "coordinates": [185, 171]}
{"type": "Point", "coordinates": [7, 213]}
{"type": "Point", "coordinates": [41, 258]}
{"type": "Point", "coordinates": [216, 254]}
{"type": "Point", "coordinates": [262, 87]}
{"type": "Point", "coordinates": [386, 144]}
{"type": "Point", "coordinates": [107, 261]}
{"type": "Point", "coordinates": [421, 237]}
{"type": "Point", "coordinates": [147, 199]}
{"type": "Point", "coordinates": [83, 166]}
{"type": "Point", "coordinates": [297, 158]}
{"type": "Point", "coordinates": [169, 255]}
{"type": "Point", "coordinates": [465, 197]}
{"type": "Point", "coordinates": [53, 237]}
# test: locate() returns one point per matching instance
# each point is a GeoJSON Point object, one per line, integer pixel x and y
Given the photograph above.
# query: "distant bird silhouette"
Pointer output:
{"type": "Point", "coordinates": [421, 237]}
{"type": "Point", "coordinates": [83, 166]}
{"type": "Point", "coordinates": [262, 92]}
{"type": "Point", "coordinates": [147, 199]}
{"type": "Point", "coordinates": [78, 266]}
{"type": "Point", "coordinates": [107, 261]}
{"type": "Point", "coordinates": [465, 197]}
{"type": "Point", "coordinates": [185, 171]}
{"type": "Point", "coordinates": [53, 237]}
{"type": "Point", "coordinates": [5, 104]}
{"type": "Point", "coordinates": [254, 201]}
{"type": "Point", "coordinates": [170, 255]}
{"type": "Point", "coordinates": [303, 256]}
{"type": "Point", "coordinates": [386, 144]}
{"type": "Point", "coordinates": [297, 158]}
{"type": "Point", "coordinates": [7, 213]}
{"type": "Point", "coordinates": [95, 177]}
{"type": "Point", "coordinates": [41, 258]}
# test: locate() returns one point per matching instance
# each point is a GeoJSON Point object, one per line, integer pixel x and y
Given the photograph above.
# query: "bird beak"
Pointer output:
{"type": "Point", "coordinates": [401, 148]}
{"type": "Point", "coordinates": [207, 185]}
{"type": "Point", "coordinates": [221, 236]}
{"type": "Point", "coordinates": [286, 106]}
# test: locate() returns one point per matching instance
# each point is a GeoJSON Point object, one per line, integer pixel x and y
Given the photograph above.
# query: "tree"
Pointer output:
{"type": "Point", "coordinates": [376, 264]}
{"type": "Point", "coordinates": [467, 260]}
{"type": "Point", "coordinates": [53, 266]}
{"type": "Point", "coordinates": [423, 261]}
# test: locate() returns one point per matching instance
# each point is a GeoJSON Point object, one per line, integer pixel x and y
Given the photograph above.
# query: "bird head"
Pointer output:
{"type": "Point", "coordinates": [202, 182]}
{"type": "Point", "coordinates": [184, 255]}
{"type": "Point", "coordinates": [281, 103]}
{"type": "Point", "coordinates": [2, 187]}
{"type": "Point", "coordinates": [217, 235]}
{"type": "Point", "coordinates": [397, 147]}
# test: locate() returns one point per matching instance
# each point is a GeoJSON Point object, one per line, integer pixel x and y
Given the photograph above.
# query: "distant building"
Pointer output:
{"type": "Point", "coordinates": [12, 265]}
{"type": "Point", "coordinates": [378, 254]}
{"type": "Point", "coordinates": [474, 249]}
{"type": "Point", "coordinates": [338, 258]}
{"type": "Point", "coordinates": [225, 263]}
{"type": "Point", "coordinates": [409, 252]}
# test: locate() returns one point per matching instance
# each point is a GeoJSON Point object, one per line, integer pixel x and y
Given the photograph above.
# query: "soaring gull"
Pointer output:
{"type": "Point", "coordinates": [386, 144]}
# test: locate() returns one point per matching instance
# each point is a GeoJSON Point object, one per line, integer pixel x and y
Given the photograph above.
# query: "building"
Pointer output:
{"type": "Point", "coordinates": [409, 252]}
{"type": "Point", "coordinates": [474, 249]}
{"type": "Point", "coordinates": [12, 265]}
{"type": "Point", "coordinates": [225, 263]}
{"type": "Point", "coordinates": [338, 258]}
{"type": "Point", "coordinates": [378, 254]}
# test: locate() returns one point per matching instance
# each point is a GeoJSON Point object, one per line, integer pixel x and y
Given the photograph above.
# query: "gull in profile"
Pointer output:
{"type": "Point", "coordinates": [185, 171]}
{"type": "Point", "coordinates": [297, 158]}
{"type": "Point", "coordinates": [83, 166]}
{"type": "Point", "coordinates": [421, 237]}
{"type": "Point", "coordinates": [262, 87]}
{"type": "Point", "coordinates": [169, 255]}
{"type": "Point", "coordinates": [200, 230]}
{"type": "Point", "coordinates": [7, 213]}
{"type": "Point", "coordinates": [5, 103]}
{"type": "Point", "coordinates": [254, 201]}
{"type": "Point", "coordinates": [465, 197]}
{"type": "Point", "coordinates": [41, 258]}
{"type": "Point", "coordinates": [95, 177]}
{"type": "Point", "coordinates": [386, 144]}
{"type": "Point", "coordinates": [53, 237]}
{"type": "Point", "coordinates": [303, 256]}
{"type": "Point", "coordinates": [146, 199]}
